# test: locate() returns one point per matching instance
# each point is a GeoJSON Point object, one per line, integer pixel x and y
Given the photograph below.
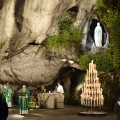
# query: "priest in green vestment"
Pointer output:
{"type": "Point", "coordinates": [8, 95]}
{"type": "Point", "coordinates": [23, 100]}
{"type": "Point", "coordinates": [2, 91]}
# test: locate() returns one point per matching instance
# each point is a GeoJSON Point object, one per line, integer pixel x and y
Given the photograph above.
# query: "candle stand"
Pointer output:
{"type": "Point", "coordinates": [91, 95]}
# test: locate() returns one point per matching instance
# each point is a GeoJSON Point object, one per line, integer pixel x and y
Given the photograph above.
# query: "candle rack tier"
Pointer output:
{"type": "Point", "coordinates": [92, 93]}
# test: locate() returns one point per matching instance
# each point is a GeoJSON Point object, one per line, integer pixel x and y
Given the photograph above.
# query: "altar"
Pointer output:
{"type": "Point", "coordinates": [50, 100]}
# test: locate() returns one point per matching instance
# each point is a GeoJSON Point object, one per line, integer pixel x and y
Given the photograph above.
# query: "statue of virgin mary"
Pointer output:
{"type": "Point", "coordinates": [98, 35]}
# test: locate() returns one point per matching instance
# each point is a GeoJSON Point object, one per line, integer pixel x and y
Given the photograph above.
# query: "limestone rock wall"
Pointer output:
{"type": "Point", "coordinates": [31, 21]}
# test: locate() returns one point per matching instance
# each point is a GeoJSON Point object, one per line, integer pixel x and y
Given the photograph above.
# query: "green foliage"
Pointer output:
{"type": "Point", "coordinates": [110, 15]}
{"type": "Point", "coordinates": [108, 12]}
{"type": "Point", "coordinates": [112, 20]}
{"type": "Point", "coordinates": [101, 4]}
{"type": "Point", "coordinates": [64, 25]}
{"type": "Point", "coordinates": [83, 62]}
{"type": "Point", "coordinates": [67, 36]}
{"type": "Point", "coordinates": [104, 62]}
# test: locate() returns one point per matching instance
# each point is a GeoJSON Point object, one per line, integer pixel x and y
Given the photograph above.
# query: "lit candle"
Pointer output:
{"type": "Point", "coordinates": [95, 94]}
{"type": "Point", "coordinates": [86, 100]}
{"type": "Point", "coordinates": [91, 70]}
{"type": "Point", "coordinates": [84, 86]}
{"type": "Point", "coordinates": [94, 81]}
{"type": "Point", "coordinates": [92, 61]}
{"type": "Point", "coordinates": [97, 101]}
{"type": "Point", "coordinates": [102, 101]}
{"type": "Point", "coordinates": [94, 101]}
{"type": "Point", "coordinates": [92, 92]}
{"type": "Point", "coordinates": [91, 79]}
{"type": "Point", "coordinates": [101, 94]}
{"type": "Point", "coordinates": [95, 87]}
{"type": "Point", "coordinates": [99, 87]}
{"type": "Point", "coordinates": [81, 99]}
{"type": "Point", "coordinates": [101, 90]}
{"type": "Point", "coordinates": [91, 101]}
{"type": "Point", "coordinates": [89, 66]}
{"type": "Point", "coordinates": [87, 74]}
{"type": "Point", "coordinates": [96, 73]}
{"type": "Point", "coordinates": [89, 92]}
{"type": "Point", "coordinates": [94, 66]}
{"type": "Point", "coordinates": [98, 96]}
{"type": "Point", "coordinates": [86, 80]}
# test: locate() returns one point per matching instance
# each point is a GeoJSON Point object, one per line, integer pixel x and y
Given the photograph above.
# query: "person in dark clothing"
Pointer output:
{"type": "Point", "coordinates": [3, 109]}
{"type": "Point", "coordinates": [117, 109]}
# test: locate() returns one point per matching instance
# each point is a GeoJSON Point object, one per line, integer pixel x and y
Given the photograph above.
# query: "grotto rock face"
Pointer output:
{"type": "Point", "coordinates": [23, 22]}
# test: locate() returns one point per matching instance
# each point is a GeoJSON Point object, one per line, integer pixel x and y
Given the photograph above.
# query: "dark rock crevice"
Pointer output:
{"type": "Point", "coordinates": [13, 53]}
{"type": "Point", "coordinates": [1, 4]}
{"type": "Point", "coordinates": [73, 9]}
{"type": "Point", "coordinates": [19, 6]}
{"type": "Point", "coordinates": [33, 43]}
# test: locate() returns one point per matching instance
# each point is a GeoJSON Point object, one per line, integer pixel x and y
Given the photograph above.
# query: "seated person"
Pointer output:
{"type": "Point", "coordinates": [59, 88]}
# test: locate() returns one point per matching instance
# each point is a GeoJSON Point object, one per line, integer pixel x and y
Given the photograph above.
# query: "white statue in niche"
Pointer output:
{"type": "Point", "coordinates": [98, 35]}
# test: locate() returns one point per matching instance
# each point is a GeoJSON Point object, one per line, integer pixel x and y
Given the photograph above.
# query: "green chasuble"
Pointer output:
{"type": "Point", "coordinates": [23, 101]}
{"type": "Point", "coordinates": [8, 94]}
{"type": "Point", "coordinates": [2, 91]}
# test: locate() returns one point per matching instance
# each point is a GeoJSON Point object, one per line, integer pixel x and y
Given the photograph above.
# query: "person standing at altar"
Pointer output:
{"type": "Point", "coordinates": [117, 109]}
{"type": "Point", "coordinates": [23, 100]}
{"type": "Point", "coordinates": [5, 92]}
{"type": "Point", "coordinates": [8, 95]}
{"type": "Point", "coordinates": [59, 88]}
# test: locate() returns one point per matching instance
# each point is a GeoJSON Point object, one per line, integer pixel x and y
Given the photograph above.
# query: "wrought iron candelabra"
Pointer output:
{"type": "Point", "coordinates": [92, 91]}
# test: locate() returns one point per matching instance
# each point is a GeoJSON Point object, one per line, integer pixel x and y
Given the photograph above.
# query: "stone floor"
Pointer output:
{"type": "Point", "coordinates": [68, 113]}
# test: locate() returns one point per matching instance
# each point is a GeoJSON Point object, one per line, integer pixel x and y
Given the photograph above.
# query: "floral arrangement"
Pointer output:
{"type": "Point", "coordinates": [33, 104]}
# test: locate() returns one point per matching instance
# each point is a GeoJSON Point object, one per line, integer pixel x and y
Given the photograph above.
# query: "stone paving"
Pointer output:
{"type": "Point", "coordinates": [67, 113]}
